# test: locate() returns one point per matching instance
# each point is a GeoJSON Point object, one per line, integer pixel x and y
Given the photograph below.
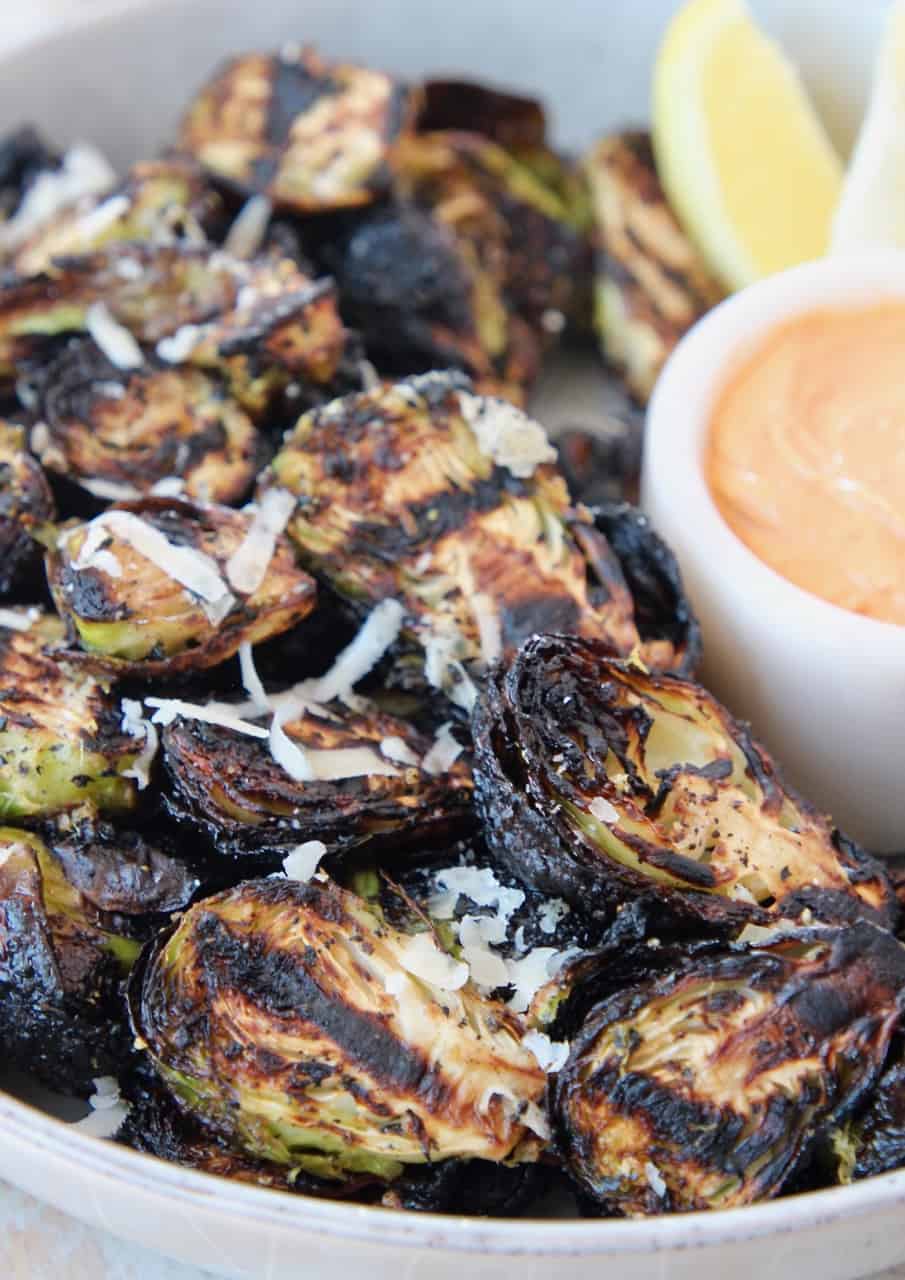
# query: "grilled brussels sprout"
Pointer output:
{"type": "Point", "coordinates": [512, 121]}
{"type": "Point", "coordinates": [258, 323]}
{"type": "Point", "coordinates": [160, 201]}
{"type": "Point", "coordinates": [308, 134]}
{"type": "Point", "coordinates": [118, 432]}
{"type": "Point", "coordinates": [520, 233]}
{"type": "Point", "coordinates": [369, 785]}
{"type": "Point", "coordinates": [290, 1019]}
{"type": "Point", "coordinates": [26, 504]}
{"type": "Point", "coordinates": [422, 300]}
{"type": "Point", "coordinates": [669, 631]}
{"type": "Point", "coordinates": [599, 782]}
{"type": "Point", "coordinates": [706, 1088]}
{"type": "Point", "coordinates": [449, 502]}
{"type": "Point", "coordinates": [148, 587]}
{"type": "Point", "coordinates": [72, 907]}
{"type": "Point", "coordinates": [651, 284]}
{"type": "Point", "coordinates": [61, 737]}
{"type": "Point", "coordinates": [874, 1141]}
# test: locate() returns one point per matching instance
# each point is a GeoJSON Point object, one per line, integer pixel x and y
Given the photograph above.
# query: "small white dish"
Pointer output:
{"type": "Point", "coordinates": [824, 688]}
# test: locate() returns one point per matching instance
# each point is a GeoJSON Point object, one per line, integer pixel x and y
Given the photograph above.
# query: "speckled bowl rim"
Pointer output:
{"type": "Point", "coordinates": [142, 1175]}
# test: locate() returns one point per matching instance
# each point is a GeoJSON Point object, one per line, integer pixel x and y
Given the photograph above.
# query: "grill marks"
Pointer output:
{"type": "Point", "coordinates": [276, 990]}
{"type": "Point", "coordinates": [231, 788]}
{"type": "Point", "coordinates": [645, 784]}
{"type": "Point", "coordinates": [722, 1075]}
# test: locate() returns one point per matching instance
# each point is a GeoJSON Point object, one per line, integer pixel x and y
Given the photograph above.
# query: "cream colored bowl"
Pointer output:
{"type": "Point", "coordinates": [823, 688]}
{"type": "Point", "coordinates": [121, 81]}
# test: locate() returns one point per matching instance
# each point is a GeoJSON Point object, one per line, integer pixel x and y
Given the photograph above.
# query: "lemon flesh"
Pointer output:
{"type": "Point", "coordinates": [746, 164]}
{"type": "Point", "coordinates": [871, 213]}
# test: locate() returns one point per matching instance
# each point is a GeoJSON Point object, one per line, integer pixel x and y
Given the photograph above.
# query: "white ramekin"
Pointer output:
{"type": "Point", "coordinates": [823, 688]}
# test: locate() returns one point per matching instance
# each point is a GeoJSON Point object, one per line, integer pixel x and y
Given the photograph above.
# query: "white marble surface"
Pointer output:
{"type": "Point", "coordinates": [38, 1242]}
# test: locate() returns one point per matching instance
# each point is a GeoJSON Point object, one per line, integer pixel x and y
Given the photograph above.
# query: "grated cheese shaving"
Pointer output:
{"type": "Point", "coordinates": [246, 234]}
{"type": "Point", "coordinates": [19, 619]}
{"type": "Point", "coordinates": [83, 172]}
{"type": "Point", "coordinates": [551, 913]}
{"type": "Point", "coordinates": [487, 617]}
{"type": "Point", "coordinates": [247, 566]}
{"type": "Point", "coordinates": [379, 632]}
{"type": "Point", "coordinates": [169, 709]}
{"type": "Point", "coordinates": [114, 340]}
{"type": "Point", "coordinates": [108, 1110]}
{"type": "Point", "coordinates": [179, 345]}
{"type": "Point", "coordinates": [251, 681]}
{"type": "Point", "coordinates": [534, 1119]}
{"type": "Point", "coordinates": [505, 434]}
{"type": "Point", "coordinates": [602, 810]}
{"type": "Point", "coordinates": [288, 754]}
{"type": "Point", "coordinates": [444, 752]}
{"type": "Point", "coordinates": [302, 862]}
{"type": "Point", "coordinates": [421, 957]}
{"type": "Point", "coordinates": [655, 1180]}
{"type": "Point", "coordinates": [114, 490]}
{"type": "Point", "coordinates": [551, 1055]}
{"type": "Point", "coordinates": [398, 750]}
{"type": "Point", "coordinates": [134, 723]}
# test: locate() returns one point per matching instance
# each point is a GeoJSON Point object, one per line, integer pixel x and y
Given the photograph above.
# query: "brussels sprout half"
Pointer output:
{"type": "Point", "coordinates": [160, 201]}
{"type": "Point", "coordinates": [706, 1088]}
{"type": "Point", "coordinates": [121, 432]}
{"type": "Point", "coordinates": [290, 1019]}
{"type": "Point", "coordinates": [518, 230]}
{"type": "Point", "coordinates": [309, 134]}
{"type": "Point", "coordinates": [146, 587]}
{"type": "Point", "coordinates": [258, 323]}
{"type": "Point", "coordinates": [26, 504]}
{"type": "Point", "coordinates": [61, 740]}
{"type": "Point", "coordinates": [600, 782]}
{"type": "Point", "coordinates": [370, 786]}
{"type": "Point", "coordinates": [70, 907]}
{"type": "Point", "coordinates": [447, 501]}
{"type": "Point", "coordinates": [651, 284]}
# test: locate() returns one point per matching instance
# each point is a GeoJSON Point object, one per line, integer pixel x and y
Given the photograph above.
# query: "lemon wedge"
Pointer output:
{"type": "Point", "coordinates": [871, 212]}
{"type": "Point", "coordinates": [746, 164]}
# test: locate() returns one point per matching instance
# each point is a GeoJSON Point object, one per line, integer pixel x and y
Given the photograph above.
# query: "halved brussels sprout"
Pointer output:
{"type": "Point", "coordinates": [148, 587]}
{"type": "Point", "coordinates": [160, 201]}
{"type": "Point", "coordinates": [599, 782]}
{"type": "Point", "coordinates": [61, 736]}
{"type": "Point", "coordinates": [449, 502]}
{"type": "Point", "coordinates": [651, 283]}
{"type": "Point", "coordinates": [423, 299]}
{"type": "Point", "coordinates": [120, 432]}
{"type": "Point", "coordinates": [518, 229]}
{"type": "Point", "coordinates": [26, 504]}
{"type": "Point", "coordinates": [72, 906]}
{"type": "Point", "coordinates": [309, 134]}
{"type": "Point", "coordinates": [706, 1088]}
{"type": "Point", "coordinates": [292, 1020]}
{"type": "Point", "coordinates": [259, 323]}
{"type": "Point", "coordinates": [370, 786]}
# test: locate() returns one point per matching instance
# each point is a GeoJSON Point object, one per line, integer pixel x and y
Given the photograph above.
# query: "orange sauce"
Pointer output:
{"type": "Point", "coordinates": [806, 455]}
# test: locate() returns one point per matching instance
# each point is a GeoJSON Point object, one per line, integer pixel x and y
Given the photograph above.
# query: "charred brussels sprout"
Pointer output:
{"type": "Point", "coordinates": [368, 785]}
{"type": "Point", "coordinates": [26, 504]}
{"type": "Point", "coordinates": [512, 121]}
{"type": "Point", "coordinates": [520, 233]}
{"type": "Point", "coordinates": [161, 200]}
{"type": "Point", "coordinates": [600, 782]}
{"type": "Point", "coordinates": [651, 284]}
{"type": "Point", "coordinates": [290, 1019]}
{"type": "Point", "coordinates": [61, 737]}
{"type": "Point", "coordinates": [73, 907]}
{"type": "Point", "coordinates": [308, 134]}
{"type": "Point", "coordinates": [119, 433]}
{"type": "Point", "coordinates": [258, 323]}
{"type": "Point", "coordinates": [874, 1141]}
{"type": "Point", "coordinates": [449, 502]}
{"type": "Point", "coordinates": [705, 1089]}
{"type": "Point", "coordinates": [152, 587]}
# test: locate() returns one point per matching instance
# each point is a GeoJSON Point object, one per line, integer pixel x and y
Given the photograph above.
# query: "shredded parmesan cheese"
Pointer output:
{"type": "Point", "coordinates": [487, 617]}
{"type": "Point", "coordinates": [421, 957]}
{"type": "Point", "coordinates": [137, 726]}
{"type": "Point", "coordinates": [116, 342]}
{"type": "Point", "coordinates": [83, 172]}
{"type": "Point", "coordinates": [302, 862]}
{"type": "Point", "coordinates": [551, 1055]}
{"type": "Point", "coordinates": [602, 810]}
{"type": "Point", "coordinates": [169, 709]}
{"type": "Point", "coordinates": [379, 632]}
{"type": "Point", "coordinates": [444, 752]}
{"type": "Point", "coordinates": [177, 348]}
{"type": "Point", "coordinates": [247, 566]}
{"type": "Point", "coordinates": [288, 754]}
{"type": "Point", "coordinates": [535, 1120]}
{"type": "Point", "coordinates": [112, 490]}
{"type": "Point", "coordinates": [246, 234]}
{"type": "Point", "coordinates": [505, 434]}
{"type": "Point", "coordinates": [398, 750]}
{"type": "Point", "coordinates": [251, 681]}
{"type": "Point", "coordinates": [108, 1110]}
{"type": "Point", "coordinates": [19, 619]}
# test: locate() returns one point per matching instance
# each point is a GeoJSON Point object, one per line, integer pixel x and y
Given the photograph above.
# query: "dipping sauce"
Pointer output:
{"type": "Point", "coordinates": [806, 455]}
